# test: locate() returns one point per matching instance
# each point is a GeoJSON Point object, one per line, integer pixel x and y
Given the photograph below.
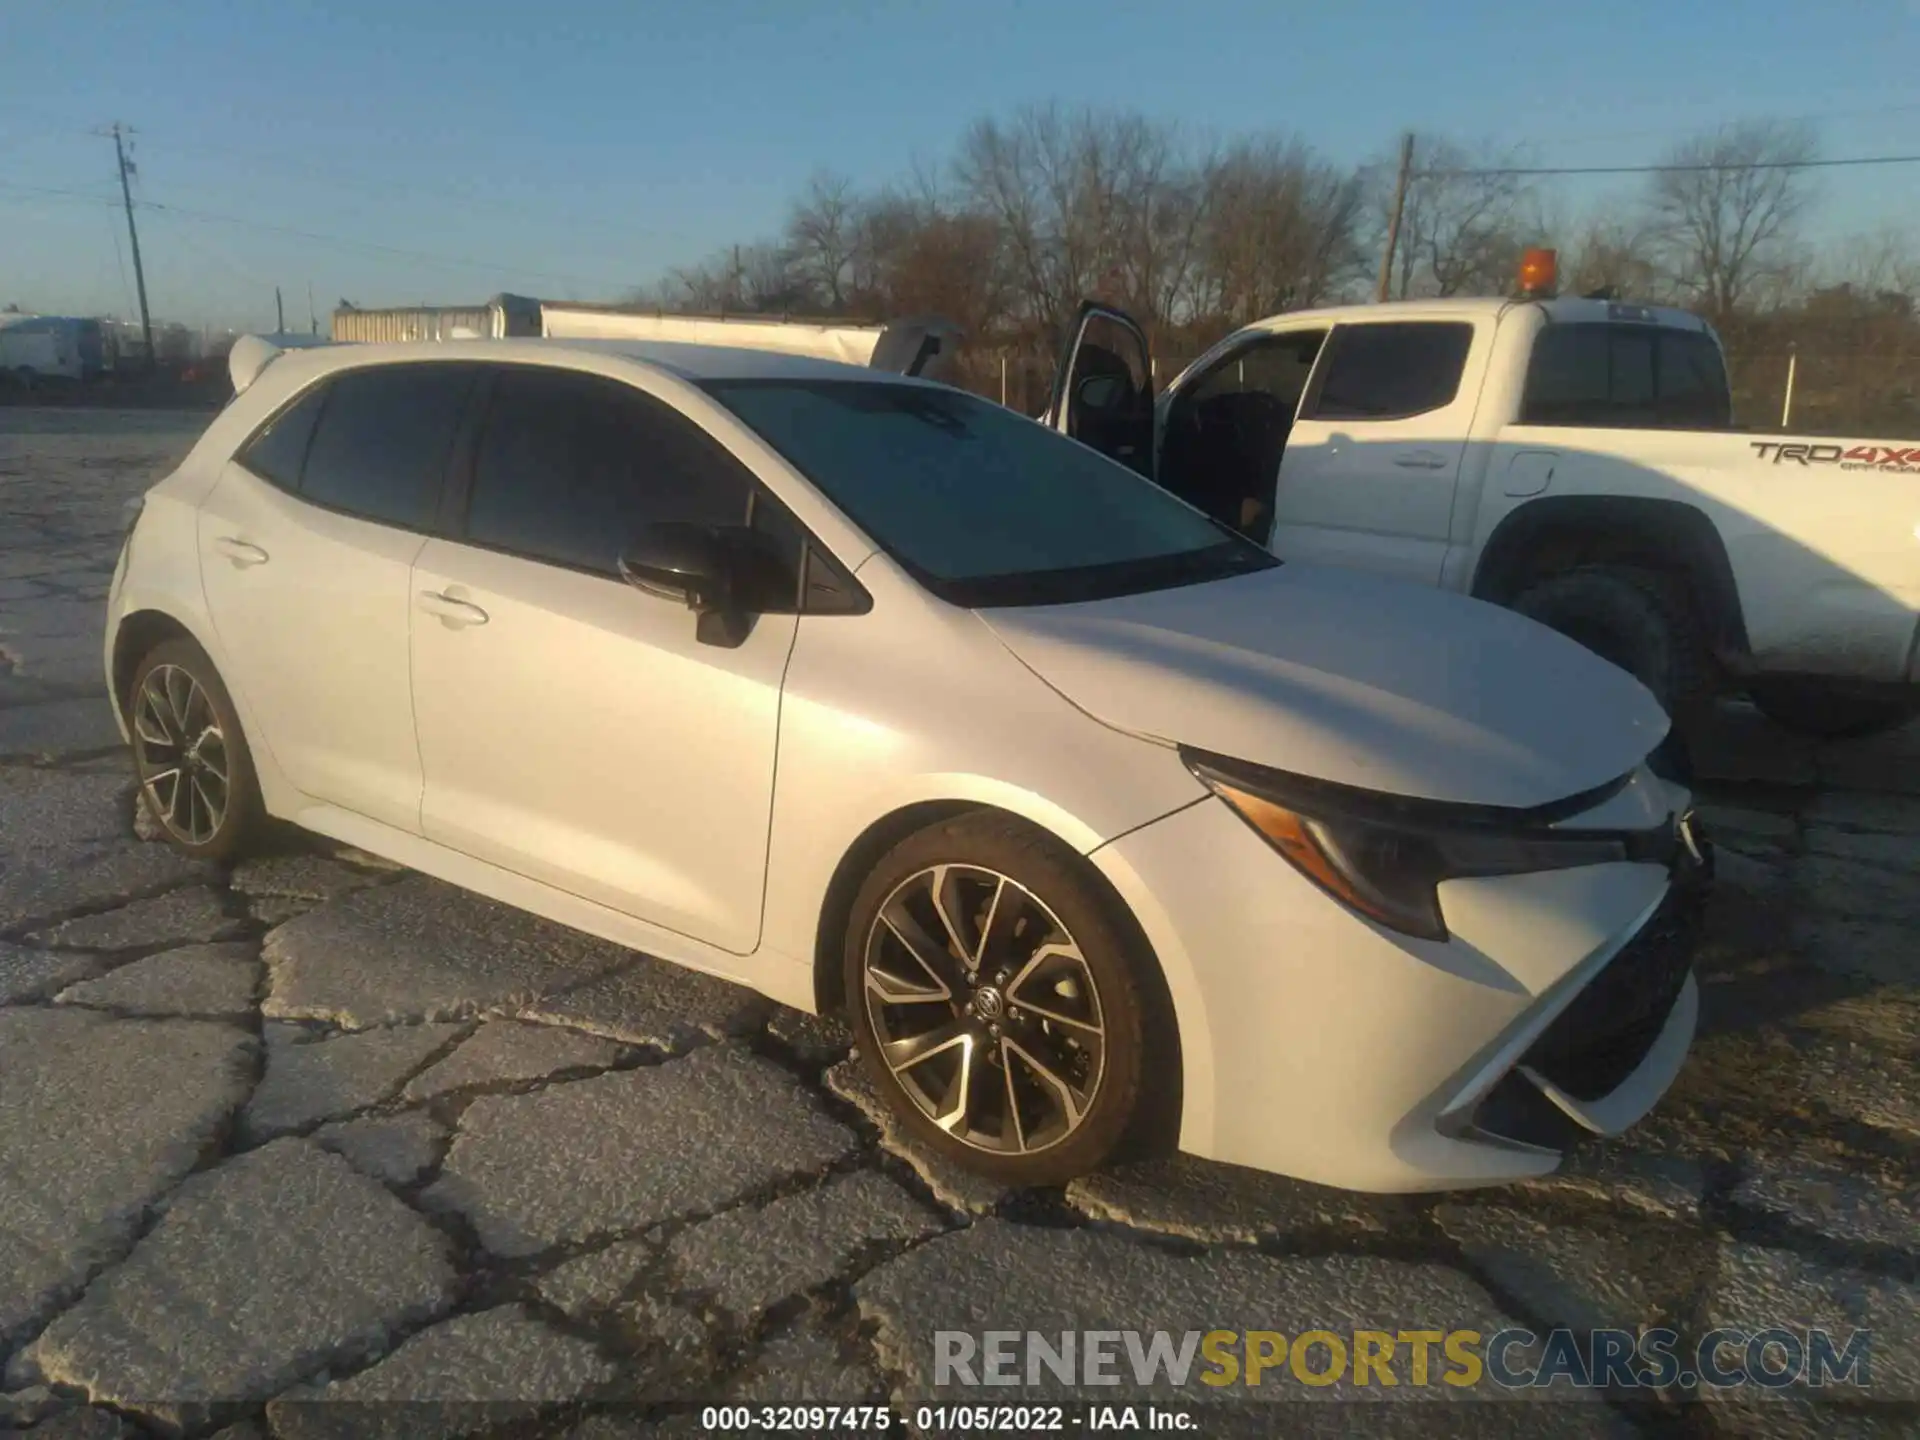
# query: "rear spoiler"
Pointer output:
{"type": "Point", "coordinates": [253, 353]}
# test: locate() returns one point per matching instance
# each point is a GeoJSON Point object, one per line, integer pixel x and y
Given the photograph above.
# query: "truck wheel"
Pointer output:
{"type": "Point", "coordinates": [1641, 622]}
{"type": "Point", "coordinates": [1827, 713]}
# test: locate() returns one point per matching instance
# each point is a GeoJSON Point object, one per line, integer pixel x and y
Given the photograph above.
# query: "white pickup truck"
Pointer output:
{"type": "Point", "coordinates": [1573, 459]}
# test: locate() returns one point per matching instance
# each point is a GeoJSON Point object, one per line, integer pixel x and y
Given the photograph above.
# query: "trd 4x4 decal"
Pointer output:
{"type": "Point", "coordinates": [1847, 457]}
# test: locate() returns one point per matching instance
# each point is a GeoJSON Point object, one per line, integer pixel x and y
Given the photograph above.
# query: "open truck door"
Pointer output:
{"type": "Point", "coordinates": [1103, 386]}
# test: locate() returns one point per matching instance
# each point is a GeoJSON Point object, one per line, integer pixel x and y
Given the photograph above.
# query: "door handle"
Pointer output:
{"type": "Point", "coordinates": [457, 613]}
{"type": "Point", "coordinates": [1420, 460]}
{"type": "Point", "coordinates": [242, 552]}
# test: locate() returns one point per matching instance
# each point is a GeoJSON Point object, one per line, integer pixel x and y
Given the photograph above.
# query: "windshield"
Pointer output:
{"type": "Point", "coordinates": [981, 505]}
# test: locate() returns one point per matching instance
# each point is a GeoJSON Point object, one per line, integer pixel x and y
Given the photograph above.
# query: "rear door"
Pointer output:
{"type": "Point", "coordinates": [307, 543]}
{"type": "Point", "coordinates": [1103, 387]}
{"type": "Point", "coordinates": [1374, 458]}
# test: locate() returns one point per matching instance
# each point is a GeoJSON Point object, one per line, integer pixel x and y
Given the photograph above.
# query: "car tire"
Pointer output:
{"type": "Point", "coordinates": [1062, 986]}
{"type": "Point", "coordinates": [1826, 713]}
{"type": "Point", "coordinates": [190, 755]}
{"type": "Point", "coordinates": [1642, 622]}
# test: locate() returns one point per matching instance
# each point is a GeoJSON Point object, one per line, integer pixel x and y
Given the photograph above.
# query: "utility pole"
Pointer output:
{"type": "Point", "coordinates": [313, 318]}
{"type": "Point", "coordinates": [279, 313]}
{"type": "Point", "coordinates": [1385, 289]}
{"type": "Point", "coordinates": [133, 236]}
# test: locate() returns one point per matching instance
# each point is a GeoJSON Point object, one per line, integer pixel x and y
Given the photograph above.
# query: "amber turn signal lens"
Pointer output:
{"type": "Point", "coordinates": [1288, 833]}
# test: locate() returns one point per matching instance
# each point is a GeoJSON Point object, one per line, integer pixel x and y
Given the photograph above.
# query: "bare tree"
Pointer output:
{"type": "Point", "coordinates": [1086, 202]}
{"type": "Point", "coordinates": [1466, 220]}
{"type": "Point", "coordinates": [1725, 224]}
{"type": "Point", "coordinates": [1279, 230]}
{"type": "Point", "coordinates": [1612, 254]}
{"type": "Point", "coordinates": [823, 233]}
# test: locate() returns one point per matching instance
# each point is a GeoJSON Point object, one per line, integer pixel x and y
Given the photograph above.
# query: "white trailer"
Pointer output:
{"type": "Point", "coordinates": [43, 347]}
{"type": "Point", "coordinates": [921, 346]}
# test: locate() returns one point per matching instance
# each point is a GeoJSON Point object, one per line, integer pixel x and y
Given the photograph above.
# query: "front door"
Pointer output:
{"type": "Point", "coordinates": [307, 543]}
{"type": "Point", "coordinates": [1227, 424]}
{"type": "Point", "coordinates": [1373, 460]}
{"type": "Point", "coordinates": [573, 729]}
{"type": "Point", "coordinates": [1103, 387]}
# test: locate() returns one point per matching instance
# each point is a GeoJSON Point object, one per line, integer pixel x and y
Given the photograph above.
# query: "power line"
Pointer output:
{"type": "Point", "coordinates": [1691, 128]}
{"type": "Point", "coordinates": [54, 190]}
{"type": "Point", "coordinates": [372, 246]}
{"type": "Point", "coordinates": [1690, 169]}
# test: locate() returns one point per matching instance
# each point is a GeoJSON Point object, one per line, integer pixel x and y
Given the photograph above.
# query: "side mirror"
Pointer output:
{"type": "Point", "coordinates": [675, 560]}
{"type": "Point", "coordinates": [1102, 392]}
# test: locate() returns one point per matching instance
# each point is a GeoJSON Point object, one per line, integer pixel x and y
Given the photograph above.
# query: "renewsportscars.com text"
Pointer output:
{"type": "Point", "coordinates": [1513, 1359]}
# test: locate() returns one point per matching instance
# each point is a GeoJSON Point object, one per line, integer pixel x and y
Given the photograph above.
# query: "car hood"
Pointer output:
{"type": "Point", "coordinates": [1346, 677]}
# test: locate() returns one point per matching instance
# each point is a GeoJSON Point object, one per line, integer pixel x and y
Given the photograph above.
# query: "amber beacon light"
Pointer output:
{"type": "Point", "coordinates": [1539, 271]}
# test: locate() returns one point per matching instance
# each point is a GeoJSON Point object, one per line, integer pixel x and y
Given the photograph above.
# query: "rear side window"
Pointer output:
{"type": "Point", "coordinates": [1393, 370]}
{"type": "Point", "coordinates": [380, 449]}
{"type": "Point", "coordinates": [279, 448]}
{"type": "Point", "coordinates": [1626, 376]}
{"type": "Point", "coordinates": [571, 466]}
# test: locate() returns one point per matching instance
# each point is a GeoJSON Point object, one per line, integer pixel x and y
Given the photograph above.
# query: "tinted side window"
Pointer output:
{"type": "Point", "coordinates": [1619, 375]}
{"type": "Point", "coordinates": [571, 466]}
{"type": "Point", "coordinates": [279, 448]}
{"type": "Point", "coordinates": [1394, 370]}
{"type": "Point", "coordinates": [1278, 366]}
{"type": "Point", "coordinates": [381, 446]}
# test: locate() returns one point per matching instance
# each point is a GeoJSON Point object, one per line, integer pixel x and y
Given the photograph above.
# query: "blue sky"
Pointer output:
{"type": "Point", "coordinates": [581, 147]}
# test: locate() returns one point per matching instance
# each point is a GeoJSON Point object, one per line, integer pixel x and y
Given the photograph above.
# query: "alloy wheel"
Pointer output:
{"type": "Point", "coordinates": [182, 754]}
{"type": "Point", "coordinates": [984, 1009]}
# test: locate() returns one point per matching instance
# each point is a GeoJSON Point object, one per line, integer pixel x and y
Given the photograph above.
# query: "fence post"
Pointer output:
{"type": "Point", "coordinates": [1003, 378]}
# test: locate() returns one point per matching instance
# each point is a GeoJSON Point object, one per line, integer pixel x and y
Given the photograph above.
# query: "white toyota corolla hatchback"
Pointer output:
{"type": "Point", "coordinates": [1103, 828]}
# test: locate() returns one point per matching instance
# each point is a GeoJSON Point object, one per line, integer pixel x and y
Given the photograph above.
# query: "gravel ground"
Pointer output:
{"type": "Point", "coordinates": [314, 1146]}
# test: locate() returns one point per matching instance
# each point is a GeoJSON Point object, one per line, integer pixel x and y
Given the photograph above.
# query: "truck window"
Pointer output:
{"type": "Point", "coordinates": [1393, 370]}
{"type": "Point", "coordinates": [1626, 377]}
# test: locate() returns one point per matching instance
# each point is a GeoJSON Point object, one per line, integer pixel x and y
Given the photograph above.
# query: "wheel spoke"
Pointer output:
{"type": "Point", "coordinates": [897, 990]}
{"type": "Point", "coordinates": [1056, 956]}
{"type": "Point", "coordinates": [1013, 1110]}
{"type": "Point", "coordinates": [213, 755]}
{"type": "Point", "coordinates": [932, 956]}
{"type": "Point", "coordinates": [917, 1049]}
{"type": "Point", "coordinates": [179, 691]}
{"type": "Point", "coordinates": [159, 706]}
{"type": "Point", "coordinates": [181, 800]}
{"type": "Point", "coordinates": [147, 727]}
{"type": "Point", "coordinates": [956, 1104]}
{"type": "Point", "coordinates": [1071, 1104]}
{"type": "Point", "coordinates": [986, 925]}
{"type": "Point", "coordinates": [948, 906]}
{"type": "Point", "coordinates": [208, 808]}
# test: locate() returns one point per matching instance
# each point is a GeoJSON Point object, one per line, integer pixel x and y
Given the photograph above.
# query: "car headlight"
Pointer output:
{"type": "Point", "coordinates": [1386, 856]}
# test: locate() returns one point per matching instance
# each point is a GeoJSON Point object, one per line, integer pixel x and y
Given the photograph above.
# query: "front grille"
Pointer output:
{"type": "Point", "coordinates": [1600, 1039]}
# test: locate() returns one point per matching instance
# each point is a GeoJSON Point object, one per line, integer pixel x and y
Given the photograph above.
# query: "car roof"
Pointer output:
{"type": "Point", "coordinates": [1566, 309]}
